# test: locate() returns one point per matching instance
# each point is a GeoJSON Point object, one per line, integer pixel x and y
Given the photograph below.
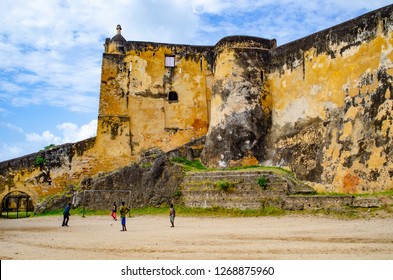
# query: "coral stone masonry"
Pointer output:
{"type": "Point", "coordinates": [320, 106]}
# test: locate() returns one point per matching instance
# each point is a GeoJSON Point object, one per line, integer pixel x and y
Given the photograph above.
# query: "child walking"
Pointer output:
{"type": "Point", "coordinates": [114, 210]}
{"type": "Point", "coordinates": [172, 215]}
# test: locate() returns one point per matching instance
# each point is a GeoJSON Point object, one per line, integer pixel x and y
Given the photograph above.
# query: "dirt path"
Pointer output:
{"type": "Point", "coordinates": [151, 237]}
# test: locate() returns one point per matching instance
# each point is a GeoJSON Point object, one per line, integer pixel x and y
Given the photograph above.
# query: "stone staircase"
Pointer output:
{"type": "Point", "coordinates": [238, 189]}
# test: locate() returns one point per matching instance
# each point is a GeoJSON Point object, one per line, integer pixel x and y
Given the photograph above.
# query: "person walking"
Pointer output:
{"type": "Point", "coordinates": [172, 215]}
{"type": "Point", "coordinates": [66, 215]}
{"type": "Point", "coordinates": [123, 212]}
{"type": "Point", "coordinates": [114, 211]}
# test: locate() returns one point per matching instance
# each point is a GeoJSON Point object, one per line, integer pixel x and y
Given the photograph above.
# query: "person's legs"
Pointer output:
{"type": "Point", "coordinates": [123, 224]}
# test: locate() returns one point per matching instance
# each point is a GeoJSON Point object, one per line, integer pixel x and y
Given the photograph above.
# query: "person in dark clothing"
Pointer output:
{"type": "Point", "coordinates": [172, 215]}
{"type": "Point", "coordinates": [66, 215]}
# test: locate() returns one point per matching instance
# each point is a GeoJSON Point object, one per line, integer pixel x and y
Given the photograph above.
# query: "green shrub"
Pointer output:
{"type": "Point", "coordinates": [224, 185]}
{"type": "Point", "coordinates": [262, 181]}
{"type": "Point", "coordinates": [147, 164]}
{"type": "Point", "coordinates": [40, 161]}
{"type": "Point", "coordinates": [178, 194]}
{"type": "Point", "coordinates": [193, 164]}
{"type": "Point", "coordinates": [49, 146]}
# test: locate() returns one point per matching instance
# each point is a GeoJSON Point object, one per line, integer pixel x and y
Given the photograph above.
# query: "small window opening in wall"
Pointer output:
{"type": "Point", "coordinates": [173, 97]}
{"type": "Point", "coordinates": [169, 61]}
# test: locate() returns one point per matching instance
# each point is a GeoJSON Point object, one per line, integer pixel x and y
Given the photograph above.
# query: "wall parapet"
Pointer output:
{"type": "Point", "coordinates": [345, 35]}
{"type": "Point", "coordinates": [27, 162]}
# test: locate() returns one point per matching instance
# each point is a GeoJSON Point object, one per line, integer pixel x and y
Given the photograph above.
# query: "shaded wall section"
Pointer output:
{"type": "Point", "coordinates": [240, 113]}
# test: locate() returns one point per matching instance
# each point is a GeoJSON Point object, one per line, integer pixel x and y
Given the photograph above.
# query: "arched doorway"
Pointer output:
{"type": "Point", "coordinates": [17, 205]}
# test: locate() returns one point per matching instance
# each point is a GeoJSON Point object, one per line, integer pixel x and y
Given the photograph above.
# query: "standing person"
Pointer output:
{"type": "Point", "coordinates": [172, 215]}
{"type": "Point", "coordinates": [123, 212]}
{"type": "Point", "coordinates": [66, 215]}
{"type": "Point", "coordinates": [114, 211]}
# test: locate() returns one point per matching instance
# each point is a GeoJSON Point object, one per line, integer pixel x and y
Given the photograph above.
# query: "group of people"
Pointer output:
{"type": "Point", "coordinates": [123, 212]}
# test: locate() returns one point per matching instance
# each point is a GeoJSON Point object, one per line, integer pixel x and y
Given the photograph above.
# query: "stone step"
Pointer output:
{"type": "Point", "coordinates": [243, 177]}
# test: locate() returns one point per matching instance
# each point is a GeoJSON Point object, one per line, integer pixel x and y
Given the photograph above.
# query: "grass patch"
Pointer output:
{"type": "Point", "coordinates": [189, 165]}
{"type": "Point", "coordinates": [180, 211]}
{"type": "Point", "coordinates": [208, 212]}
{"type": "Point", "coordinates": [274, 169]}
{"type": "Point", "coordinates": [332, 194]}
{"type": "Point", "coordinates": [346, 213]}
{"type": "Point", "coordinates": [14, 215]}
{"type": "Point", "coordinates": [223, 212]}
{"type": "Point", "coordinates": [196, 165]}
{"type": "Point", "coordinates": [384, 193]}
{"type": "Point", "coordinates": [75, 212]}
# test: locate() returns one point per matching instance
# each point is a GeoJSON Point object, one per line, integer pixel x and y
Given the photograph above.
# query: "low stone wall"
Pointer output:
{"type": "Point", "coordinates": [238, 189]}
{"type": "Point", "coordinates": [316, 202]}
{"type": "Point", "coordinates": [205, 190]}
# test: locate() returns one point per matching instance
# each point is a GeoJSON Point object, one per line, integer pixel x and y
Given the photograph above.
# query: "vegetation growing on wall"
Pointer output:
{"type": "Point", "coordinates": [262, 182]}
{"type": "Point", "coordinates": [40, 161]}
{"type": "Point", "coordinates": [224, 185]}
{"type": "Point", "coordinates": [189, 165]}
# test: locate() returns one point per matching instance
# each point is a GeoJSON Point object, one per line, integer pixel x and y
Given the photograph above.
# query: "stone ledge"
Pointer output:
{"type": "Point", "coordinates": [369, 202]}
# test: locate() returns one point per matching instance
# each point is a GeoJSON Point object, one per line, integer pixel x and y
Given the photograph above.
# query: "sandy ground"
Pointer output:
{"type": "Point", "coordinates": [151, 237]}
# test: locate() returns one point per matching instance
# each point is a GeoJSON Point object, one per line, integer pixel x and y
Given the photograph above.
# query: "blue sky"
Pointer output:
{"type": "Point", "coordinates": [50, 51]}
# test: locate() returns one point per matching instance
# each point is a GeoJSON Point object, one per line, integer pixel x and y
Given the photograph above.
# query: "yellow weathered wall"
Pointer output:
{"type": "Point", "coordinates": [321, 85]}
{"type": "Point", "coordinates": [144, 84]}
{"type": "Point", "coordinates": [69, 164]}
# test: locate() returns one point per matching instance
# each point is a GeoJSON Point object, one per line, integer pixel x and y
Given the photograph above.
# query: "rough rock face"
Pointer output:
{"type": "Point", "coordinates": [152, 182]}
{"type": "Point", "coordinates": [301, 148]}
{"type": "Point", "coordinates": [239, 119]}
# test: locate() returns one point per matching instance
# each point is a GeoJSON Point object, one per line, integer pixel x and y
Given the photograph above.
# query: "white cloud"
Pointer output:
{"type": "Point", "coordinates": [11, 127]}
{"type": "Point", "coordinates": [72, 133]}
{"type": "Point", "coordinates": [69, 133]}
{"type": "Point", "coordinates": [9, 151]}
{"type": "Point", "coordinates": [46, 137]}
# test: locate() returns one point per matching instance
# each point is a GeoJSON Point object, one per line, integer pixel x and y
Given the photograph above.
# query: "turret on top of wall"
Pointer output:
{"type": "Point", "coordinates": [117, 43]}
{"type": "Point", "coordinates": [246, 42]}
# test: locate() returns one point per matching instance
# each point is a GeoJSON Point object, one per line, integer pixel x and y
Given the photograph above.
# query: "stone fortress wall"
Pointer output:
{"type": "Point", "coordinates": [320, 106]}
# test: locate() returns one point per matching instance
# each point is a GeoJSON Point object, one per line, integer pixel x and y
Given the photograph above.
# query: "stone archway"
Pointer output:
{"type": "Point", "coordinates": [16, 204]}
